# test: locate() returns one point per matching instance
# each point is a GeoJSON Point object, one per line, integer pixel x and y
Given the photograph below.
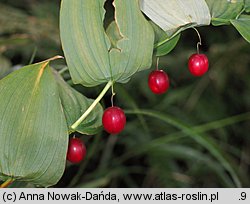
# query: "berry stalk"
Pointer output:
{"type": "Point", "coordinates": [199, 43]}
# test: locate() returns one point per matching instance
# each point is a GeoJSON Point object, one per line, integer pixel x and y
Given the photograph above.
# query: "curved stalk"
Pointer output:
{"type": "Point", "coordinates": [199, 43]}
{"type": "Point", "coordinates": [92, 106]}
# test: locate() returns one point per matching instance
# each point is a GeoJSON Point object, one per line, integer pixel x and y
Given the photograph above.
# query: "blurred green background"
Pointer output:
{"type": "Point", "coordinates": [195, 135]}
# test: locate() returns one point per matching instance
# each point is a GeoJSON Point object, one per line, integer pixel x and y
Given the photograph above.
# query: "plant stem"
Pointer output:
{"type": "Point", "coordinates": [96, 101]}
{"type": "Point", "coordinates": [63, 70]}
{"type": "Point", "coordinates": [6, 183]}
{"type": "Point", "coordinates": [112, 97]}
{"type": "Point", "coordinates": [199, 43]}
{"type": "Point", "coordinates": [157, 63]}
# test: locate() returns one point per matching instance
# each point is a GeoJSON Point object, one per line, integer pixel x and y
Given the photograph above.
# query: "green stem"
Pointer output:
{"type": "Point", "coordinates": [96, 101]}
{"type": "Point", "coordinates": [63, 70]}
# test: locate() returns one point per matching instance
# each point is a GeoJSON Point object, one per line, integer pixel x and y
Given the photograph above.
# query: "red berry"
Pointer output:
{"type": "Point", "coordinates": [113, 120]}
{"type": "Point", "coordinates": [158, 81]}
{"type": "Point", "coordinates": [198, 64]}
{"type": "Point", "coordinates": [76, 150]}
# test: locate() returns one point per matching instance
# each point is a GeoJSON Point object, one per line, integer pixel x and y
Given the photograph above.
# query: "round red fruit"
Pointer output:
{"type": "Point", "coordinates": [198, 64]}
{"type": "Point", "coordinates": [76, 150]}
{"type": "Point", "coordinates": [113, 120]}
{"type": "Point", "coordinates": [158, 81]}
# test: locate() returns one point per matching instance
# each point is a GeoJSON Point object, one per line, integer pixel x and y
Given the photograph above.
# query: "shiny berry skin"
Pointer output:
{"type": "Point", "coordinates": [158, 81]}
{"type": "Point", "coordinates": [113, 120]}
{"type": "Point", "coordinates": [198, 64]}
{"type": "Point", "coordinates": [76, 150]}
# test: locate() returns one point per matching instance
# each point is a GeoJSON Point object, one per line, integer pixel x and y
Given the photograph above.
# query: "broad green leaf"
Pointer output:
{"type": "Point", "coordinates": [84, 41]}
{"type": "Point", "coordinates": [75, 104]}
{"type": "Point", "coordinates": [92, 56]}
{"type": "Point", "coordinates": [176, 15]}
{"type": "Point", "coordinates": [33, 129]}
{"type": "Point", "coordinates": [242, 24]}
{"type": "Point", "coordinates": [224, 10]}
{"type": "Point", "coordinates": [135, 49]}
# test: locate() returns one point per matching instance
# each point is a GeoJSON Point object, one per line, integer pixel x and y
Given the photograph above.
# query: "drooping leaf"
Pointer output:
{"type": "Point", "coordinates": [224, 10]}
{"type": "Point", "coordinates": [33, 129]}
{"type": "Point", "coordinates": [91, 55]}
{"type": "Point", "coordinates": [75, 104]}
{"type": "Point", "coordinates": [176, 15]}
{"type": "Point", "coordinates": [242, 24]}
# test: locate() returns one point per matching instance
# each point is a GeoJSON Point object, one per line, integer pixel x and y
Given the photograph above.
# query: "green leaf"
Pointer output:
{"type": "Point", "coordinates": [135, 49]}
{"type": "Point", "coordinates": [224, 10]}
{"type": "Point", "coordinates": [75, 104]}
{"type": "Point", "coordinates": [33, 129]}
{"type": "Point", "coordinates": [92, 56]}
{"type": "Point", "coordinates": [242, 24]}
{"type": "Point", "coordinates": [163, 43]}
{"type": "Point", "coordinates": [176, 15]}
{"type": "Point", "coordinates": [84, 41]}
{"type": "Point", "coordinates": [166, 46]}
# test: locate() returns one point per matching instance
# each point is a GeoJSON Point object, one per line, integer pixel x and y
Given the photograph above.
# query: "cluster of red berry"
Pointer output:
{"type": "Point", "coordinates": [158, 80]}
{"type": "Point", "coordinates": [114, 119]}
